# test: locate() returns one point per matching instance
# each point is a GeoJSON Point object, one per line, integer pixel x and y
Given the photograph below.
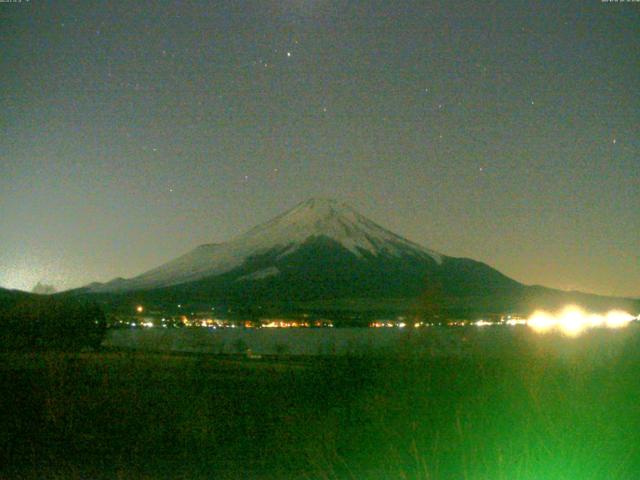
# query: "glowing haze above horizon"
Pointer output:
{"type": "Point", "coordinates": [507, 131]}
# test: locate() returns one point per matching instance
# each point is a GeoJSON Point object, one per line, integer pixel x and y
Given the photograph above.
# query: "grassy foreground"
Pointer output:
{"type": "Point", "coordinates": [524, 413]}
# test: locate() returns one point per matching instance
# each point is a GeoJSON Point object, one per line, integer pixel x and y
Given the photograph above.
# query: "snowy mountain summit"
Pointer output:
{"type": "Point", "coordinates": [313, 219]}
{"type": "Point", "coordinates": [318, 217]}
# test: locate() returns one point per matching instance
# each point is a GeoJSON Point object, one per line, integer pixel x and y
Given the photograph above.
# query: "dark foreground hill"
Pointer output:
{"type": "Point", "coordinates": [33, 322]}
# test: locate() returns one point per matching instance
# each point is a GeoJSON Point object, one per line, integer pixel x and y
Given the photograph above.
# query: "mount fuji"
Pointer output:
{"type": "Point", "coordinates": [324, 251]}
{"type": "Point", "coordinates": [316, 221]}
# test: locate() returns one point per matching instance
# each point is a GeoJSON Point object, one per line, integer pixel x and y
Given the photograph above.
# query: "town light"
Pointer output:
{"type": "Point", "coordinates": [573, 320]}
{"type": "Point", "coordinates": [542, 321]}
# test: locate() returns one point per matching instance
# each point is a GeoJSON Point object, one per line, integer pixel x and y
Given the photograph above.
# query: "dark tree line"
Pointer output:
{"type": "Point", "coordinates": [37, 322]}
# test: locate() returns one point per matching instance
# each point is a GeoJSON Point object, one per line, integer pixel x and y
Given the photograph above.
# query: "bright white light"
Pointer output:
{"type": "Point", "coordinates": [595, 320]}
{"type": "Point", "coordinates": [542, 321]}
{"type": "Point", "coordinates": [618, 319]}
{"type": "Point", "coordinates": [516, 322]}
{"type": "Point", "coordinates": [482, 323]}
{"type": "Point", "coordinates": [572, 320]}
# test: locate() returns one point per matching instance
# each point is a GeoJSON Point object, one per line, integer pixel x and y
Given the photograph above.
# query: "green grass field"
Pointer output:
{"type": "Point", "coordinates": [524, 413]}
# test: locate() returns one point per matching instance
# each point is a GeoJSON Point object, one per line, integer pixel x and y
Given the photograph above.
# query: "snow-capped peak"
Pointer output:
{"type": "Point", "coordinates": [313, 218]}
{"type": "Point", "coordinates": [335, 220]}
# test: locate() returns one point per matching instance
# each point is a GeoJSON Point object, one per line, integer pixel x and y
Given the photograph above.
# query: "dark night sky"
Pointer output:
{"type": "Point", "coordinates": [505, 131]}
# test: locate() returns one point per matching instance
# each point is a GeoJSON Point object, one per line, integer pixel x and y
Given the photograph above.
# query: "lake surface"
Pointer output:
{"type": "Point", "coordinates": [433, 341]}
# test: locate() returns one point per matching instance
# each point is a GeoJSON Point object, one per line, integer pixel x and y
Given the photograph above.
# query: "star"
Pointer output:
{"type": "Point", "coordinates": [288, 54]}
{"type": "Point", "coordinates": [614, 141]}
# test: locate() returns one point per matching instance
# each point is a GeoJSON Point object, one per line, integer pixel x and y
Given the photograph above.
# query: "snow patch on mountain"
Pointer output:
{"type": "Point", "coordinates": [260, 274]}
